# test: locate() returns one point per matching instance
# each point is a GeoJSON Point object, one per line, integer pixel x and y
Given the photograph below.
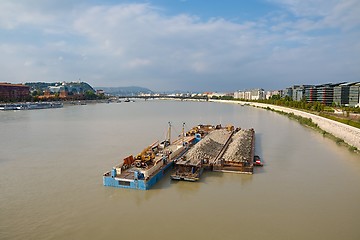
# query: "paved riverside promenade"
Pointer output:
{"type": "Point", "coordinates": [350, 135]}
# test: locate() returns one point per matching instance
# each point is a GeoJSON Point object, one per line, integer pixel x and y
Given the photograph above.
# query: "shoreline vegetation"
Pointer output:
{"type": "Point", "coordinates": [341, 133]}
{"type": "Point", "coordinates": [343, 114]}
{"type": "Point", "coordinates": [309, 123]}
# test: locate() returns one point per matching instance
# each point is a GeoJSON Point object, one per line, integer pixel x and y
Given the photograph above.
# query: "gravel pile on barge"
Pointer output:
{"type": "Point", "coordinates": [222, 150]}
{"type": "Point", "coordinates": [240, 148]}
{"type": "Point", "coordinates": [209, 147]}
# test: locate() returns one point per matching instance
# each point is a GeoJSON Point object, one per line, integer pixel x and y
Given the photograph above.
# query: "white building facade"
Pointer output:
{"type": "Point", "coordinates": [252, 94]}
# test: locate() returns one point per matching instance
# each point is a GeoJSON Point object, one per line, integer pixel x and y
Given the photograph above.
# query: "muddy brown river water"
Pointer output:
{"type": "Point", "coordinates": [52, 161]}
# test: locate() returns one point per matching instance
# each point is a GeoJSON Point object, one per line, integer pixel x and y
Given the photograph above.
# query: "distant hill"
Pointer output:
{"type": "Point", "coordinates": [70, 86]}
{"type": "Point", "coordinates": [125, 91]}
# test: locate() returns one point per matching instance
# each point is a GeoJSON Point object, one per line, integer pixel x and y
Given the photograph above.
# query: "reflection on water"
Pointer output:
{"type": "Point", "coordinates": [51, 165]}
{"type": "Point", "coordinates": [185, 188]}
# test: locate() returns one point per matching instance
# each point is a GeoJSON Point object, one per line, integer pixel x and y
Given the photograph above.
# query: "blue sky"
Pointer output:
{"type": "Point", "coordinates": [194, 45]}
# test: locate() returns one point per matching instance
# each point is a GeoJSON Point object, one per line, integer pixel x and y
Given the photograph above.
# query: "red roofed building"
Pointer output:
{"type": "Point", "coordinates": [10, 91]}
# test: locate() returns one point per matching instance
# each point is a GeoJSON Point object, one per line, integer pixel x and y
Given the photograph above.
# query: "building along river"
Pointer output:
{"type": "Point", "coordinates": [52, 161]}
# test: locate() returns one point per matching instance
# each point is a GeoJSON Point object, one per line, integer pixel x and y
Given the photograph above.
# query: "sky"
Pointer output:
{"type": "Point", "coordinates": [189, 45]}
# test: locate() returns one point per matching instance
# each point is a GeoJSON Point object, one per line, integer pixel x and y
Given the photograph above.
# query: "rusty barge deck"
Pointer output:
{"type": "Point", "coordinates": [221, 150]}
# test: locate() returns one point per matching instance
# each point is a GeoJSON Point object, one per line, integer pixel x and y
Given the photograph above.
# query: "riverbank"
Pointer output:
{"type": "Point", "coordinates": [350, 135]}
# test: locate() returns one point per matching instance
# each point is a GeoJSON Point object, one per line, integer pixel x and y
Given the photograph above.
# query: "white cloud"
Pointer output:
{"type": "Point", "coordinates": [137, 44]}
{"type": "Point", "coordinates": [14, 14]}
{"type": "Point", "coordinates": [136, 63]}
{"type": "Point", "coordinates": [28, 63]}
{"type": "Point", "coordinates": [318, 14]}
{"type": "Point", "coordinates": [345, 15]}
{"type": "Point", "coordinates": [308, 8]}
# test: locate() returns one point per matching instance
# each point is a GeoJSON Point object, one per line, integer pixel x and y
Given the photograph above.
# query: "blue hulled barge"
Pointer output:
{"type": "Point", "coordinates": [148, 167]}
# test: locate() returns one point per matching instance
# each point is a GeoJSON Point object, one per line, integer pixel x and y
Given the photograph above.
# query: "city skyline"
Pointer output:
{"type": "Point", "coordinates": [186, 44]}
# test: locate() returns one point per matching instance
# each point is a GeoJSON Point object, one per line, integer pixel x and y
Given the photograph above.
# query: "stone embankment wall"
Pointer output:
{"type": "Point", "coordinates": [349, 134]}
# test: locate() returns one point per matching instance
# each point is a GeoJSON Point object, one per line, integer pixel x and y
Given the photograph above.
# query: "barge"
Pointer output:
{"type": "Point", "coordinates": [225, 149]}
{"type": "Point", "coordinates": [143, 170]}
{"type": "Point", "coordinates": [204, 147]}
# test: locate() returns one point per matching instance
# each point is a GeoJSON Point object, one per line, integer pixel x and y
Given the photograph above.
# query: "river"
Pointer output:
{"type": "Point", "coordinates": [52, 161]}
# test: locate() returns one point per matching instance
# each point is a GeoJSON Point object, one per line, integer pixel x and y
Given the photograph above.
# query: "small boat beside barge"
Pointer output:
{"type": "Point", "coordinates": [257, 161]}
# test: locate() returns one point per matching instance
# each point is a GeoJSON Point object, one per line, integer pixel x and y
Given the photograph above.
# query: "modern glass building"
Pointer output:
{"type": "Point", "coordinates": [311, 94]}
{"type": "Point", "coordinates": [325, 93]}
{"type": "Point", "coordinates": [287, 92]}
{"type": "Point", "coordinates": [354, 95]}
{"type": "Point", "coordinates": [341, 94]}
{"type": "Point", "coordinates": [298, 92]}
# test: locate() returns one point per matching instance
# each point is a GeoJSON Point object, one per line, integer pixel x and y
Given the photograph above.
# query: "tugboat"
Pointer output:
{"type": "Point", "coordinates": [257, 161]}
